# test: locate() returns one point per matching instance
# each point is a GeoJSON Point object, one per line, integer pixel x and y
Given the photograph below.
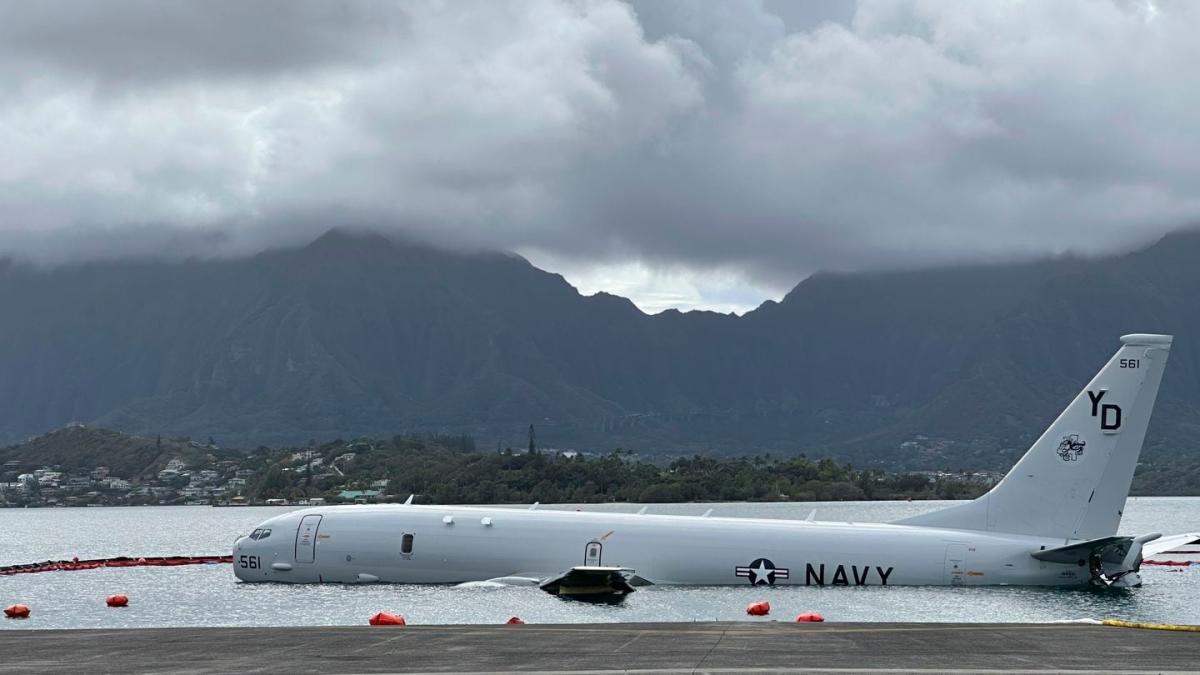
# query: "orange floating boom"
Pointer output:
{"type": "Point", "coordinates": [75, 564]}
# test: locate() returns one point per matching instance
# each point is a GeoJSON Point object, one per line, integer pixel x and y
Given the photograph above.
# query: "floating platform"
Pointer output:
{"type": "Point", "coordinates": [593, 648]}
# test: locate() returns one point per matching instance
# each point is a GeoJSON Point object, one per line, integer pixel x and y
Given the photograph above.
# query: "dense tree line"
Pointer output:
{"type": "Point", "coordinates": [451, 470]}
{"type": "Point", "coordinates": [1167, 476]}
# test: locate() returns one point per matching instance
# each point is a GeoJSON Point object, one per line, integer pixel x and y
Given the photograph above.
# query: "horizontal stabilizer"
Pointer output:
{"type": "Point", "coordinates": [1165, 544]}
{"type": "Point", "coordinates": [1111, 549]}
{"type": "Point", "coordinates": [1112, 561]}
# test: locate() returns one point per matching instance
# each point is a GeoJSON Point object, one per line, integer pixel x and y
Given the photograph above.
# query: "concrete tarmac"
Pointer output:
{"type": "Point", "coordinates": [759, 647]}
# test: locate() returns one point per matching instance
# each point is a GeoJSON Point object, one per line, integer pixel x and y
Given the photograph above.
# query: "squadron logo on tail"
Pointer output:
{"type": "Point", "coordinates": [1071, 447]}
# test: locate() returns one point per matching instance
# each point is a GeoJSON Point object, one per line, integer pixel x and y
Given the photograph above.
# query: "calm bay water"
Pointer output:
{"type": "Point", "coordinates": [208, 595]}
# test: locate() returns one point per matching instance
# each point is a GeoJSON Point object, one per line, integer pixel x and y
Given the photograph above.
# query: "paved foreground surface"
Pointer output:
{"type": "Point", "coordinates": [675, 647]}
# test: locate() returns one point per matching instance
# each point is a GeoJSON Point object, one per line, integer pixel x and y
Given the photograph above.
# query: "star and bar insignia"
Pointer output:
{"type": "Point", "coordinates": [762, 572]}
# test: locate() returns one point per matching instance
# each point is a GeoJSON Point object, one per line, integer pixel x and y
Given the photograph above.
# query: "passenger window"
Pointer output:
{"type": "Point", "coordinates": [406, 544]}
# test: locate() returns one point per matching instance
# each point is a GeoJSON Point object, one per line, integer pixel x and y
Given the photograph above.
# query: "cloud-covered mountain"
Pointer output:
{"type": "Point", "coordinates": [758, 140]}
{"type": "Point", "coordinates": [359, 334]}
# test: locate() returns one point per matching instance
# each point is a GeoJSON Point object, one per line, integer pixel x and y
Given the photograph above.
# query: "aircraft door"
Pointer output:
{"type": "Point", "coordinates": [956, 564]}
{"type": "Point", "coordinates": [592, 553]}
{"type": "Point", "coordinates": [306, 538]}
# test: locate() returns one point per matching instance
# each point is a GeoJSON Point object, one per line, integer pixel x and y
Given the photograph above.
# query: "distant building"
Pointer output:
{"type": "Point", "coordinates": [358, 496]}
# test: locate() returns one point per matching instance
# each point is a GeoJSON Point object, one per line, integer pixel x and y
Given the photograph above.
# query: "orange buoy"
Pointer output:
{"type": "Point", "coordinates": [761, 608]}
{"type": "Point", "coordinates": [118, 600]}
{"type": "Point", "coordinates": [810, 617]}
{"type": "Point", "coordinates": [385, 619]}
{"type": "Point", "coordinates": [514, 621]}
{"type": "Point", "coordinates": [17, 611]}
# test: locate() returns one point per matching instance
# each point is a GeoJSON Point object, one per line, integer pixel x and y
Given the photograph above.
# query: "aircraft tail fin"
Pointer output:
{"type": "Point", "coordinates": [1073, 481]}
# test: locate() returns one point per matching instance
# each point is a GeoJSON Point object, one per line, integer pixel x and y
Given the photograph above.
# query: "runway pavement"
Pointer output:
{"type": "Point", "coordinates": [764, 647]}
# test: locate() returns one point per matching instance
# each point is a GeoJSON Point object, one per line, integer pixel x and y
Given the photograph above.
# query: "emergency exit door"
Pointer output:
{"type": "Point", "coordinates": [306, 538]}
{"type": "Point", "coordinates": [956, 564]}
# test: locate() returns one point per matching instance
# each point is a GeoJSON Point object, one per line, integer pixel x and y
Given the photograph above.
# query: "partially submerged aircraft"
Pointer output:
{"type": "Point", "coordinates": [1051, 521]}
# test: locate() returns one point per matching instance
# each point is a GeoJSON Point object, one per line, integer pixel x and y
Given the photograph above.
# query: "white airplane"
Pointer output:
{"type": "Point", "coordinates": [1051, 521]}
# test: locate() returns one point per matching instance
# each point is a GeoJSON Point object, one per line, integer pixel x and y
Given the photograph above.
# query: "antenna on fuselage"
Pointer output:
{"type": "Point", "coordinates": [408, 502]}
{"type": "Point", "coordinates": [643, 509]}
{"type": "Point", "coordinates": [811, 515]}
{"type": "Point", "coordinates": [533, 506]}
{"type": "Point", "coordinates": [707, 513]}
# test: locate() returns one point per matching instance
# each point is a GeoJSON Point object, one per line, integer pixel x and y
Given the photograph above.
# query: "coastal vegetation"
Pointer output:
{"type": "Point", "coordinates": [79, 466]}
{"type": "Point", "coordinates": [450, 470]}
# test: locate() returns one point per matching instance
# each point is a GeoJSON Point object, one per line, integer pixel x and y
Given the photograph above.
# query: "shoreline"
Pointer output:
{"type": "Point", "coordinates": [544, 506]}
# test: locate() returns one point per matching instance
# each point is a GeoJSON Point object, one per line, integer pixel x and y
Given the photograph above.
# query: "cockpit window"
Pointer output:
{"type": "Point", "coordinates": [254, 534]}
{"type": "Point", "coordinates": [260, 533]}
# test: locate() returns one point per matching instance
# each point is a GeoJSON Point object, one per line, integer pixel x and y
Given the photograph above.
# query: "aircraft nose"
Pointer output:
{"type": "Point", "coordinates": [249, 561]}
{"type": "Point", "coordinates": [240, 551]}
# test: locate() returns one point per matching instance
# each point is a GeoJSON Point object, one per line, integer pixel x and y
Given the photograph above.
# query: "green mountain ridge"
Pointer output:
{"type": "Point", "coordinates": [360, 335]}
{"type": "Point", "coordinates": [81, 449]}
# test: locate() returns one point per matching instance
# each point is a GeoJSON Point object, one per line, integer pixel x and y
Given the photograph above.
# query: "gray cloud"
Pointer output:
{"type": "Point", "coordinates": [165, 42]}
{"type": "Point", "coordinates": [760, 141]}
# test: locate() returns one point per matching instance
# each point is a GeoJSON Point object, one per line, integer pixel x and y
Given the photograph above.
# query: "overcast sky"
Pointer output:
{"type": "Point", "coordinates": [687, 154]}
